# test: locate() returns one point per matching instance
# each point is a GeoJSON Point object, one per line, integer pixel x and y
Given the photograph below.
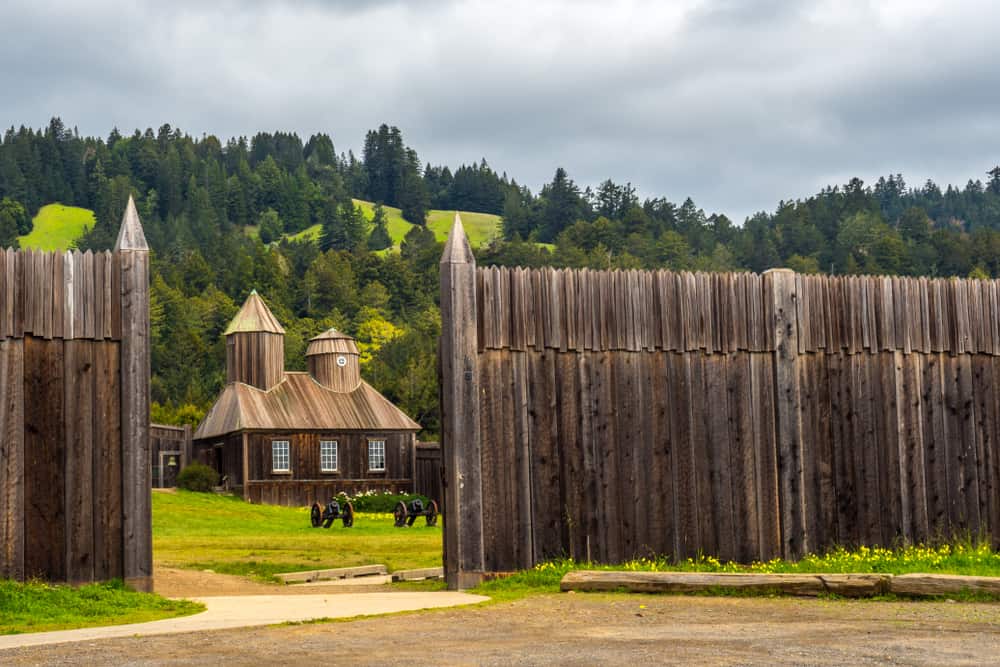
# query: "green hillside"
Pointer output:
{"type": "Point", "coordinates": [56, 227]}
{"type": "Point", "coordinates": [480, 227]}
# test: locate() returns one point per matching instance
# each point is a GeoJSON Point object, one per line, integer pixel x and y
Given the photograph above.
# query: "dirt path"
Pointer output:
{"type": "Point", "coordinates": [588, 630]}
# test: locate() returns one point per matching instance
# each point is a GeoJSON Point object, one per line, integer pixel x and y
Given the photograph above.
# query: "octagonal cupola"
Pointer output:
{"type": "Point", "coordinates": [255, 346]}
{"type": "Point", "coordinates": [332, 358]}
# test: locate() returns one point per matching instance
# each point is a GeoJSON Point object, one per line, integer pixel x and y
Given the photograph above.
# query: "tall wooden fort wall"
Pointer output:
{"type": "Point", "coordinates": [619, 414]}
{"type": "Point", "coordinates": [74, 414]}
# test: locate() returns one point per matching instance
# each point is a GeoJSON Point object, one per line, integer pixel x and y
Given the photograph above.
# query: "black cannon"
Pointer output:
{"type": "Point", "coordinates": [406, 514]}
{"type": "Point", "coordinates": [333, 511]}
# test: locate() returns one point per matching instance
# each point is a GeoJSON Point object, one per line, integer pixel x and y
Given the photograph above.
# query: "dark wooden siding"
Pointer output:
{"type": "Point", "coordinates": [352, 454]}
{"type": "Point", "coordinates": [305, 483]}
{"type": "Point", "coordinates": [427, 472]}
{"type": "Point", "coordinates": [624, 414]}
{"type": "Point", "coordinates": [224, 454]}
{"type": "Point", "coordinates": [256, 358]}
{"type": "Point", "coordinates": [66, 459]}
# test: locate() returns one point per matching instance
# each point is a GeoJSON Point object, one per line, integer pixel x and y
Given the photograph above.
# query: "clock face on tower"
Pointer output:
{"type": "Point", "coordinates": [341, 361]}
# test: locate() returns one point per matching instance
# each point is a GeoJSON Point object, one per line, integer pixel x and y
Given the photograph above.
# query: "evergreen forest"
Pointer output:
{"type": "Point", "coordinates": [222, 219]}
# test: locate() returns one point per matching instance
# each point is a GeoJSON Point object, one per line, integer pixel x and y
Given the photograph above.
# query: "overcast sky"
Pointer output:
{"type": "Point", "coordinates": [736, 104]}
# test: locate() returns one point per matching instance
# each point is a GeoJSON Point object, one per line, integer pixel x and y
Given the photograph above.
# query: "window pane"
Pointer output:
{"type": "Point", "coordinates": [376, 454]}
{"type": "Point", "coordinates": [328, 455]}
{"type": "Point", "coordinates": [279, 455]}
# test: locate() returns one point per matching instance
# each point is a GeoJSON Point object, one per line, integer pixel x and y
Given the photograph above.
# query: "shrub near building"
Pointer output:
{"type": "Point", "coordinates": [198, 477]}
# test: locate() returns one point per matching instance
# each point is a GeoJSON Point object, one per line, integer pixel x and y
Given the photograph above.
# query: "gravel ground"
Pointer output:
{"type": "Point", "coordinates": [587, 629]}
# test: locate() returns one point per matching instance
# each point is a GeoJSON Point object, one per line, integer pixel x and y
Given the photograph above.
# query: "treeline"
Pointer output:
{"type": "Point", "coordinates": [198, 198]}
{"type": "Point", "coordinates": [888, 228]}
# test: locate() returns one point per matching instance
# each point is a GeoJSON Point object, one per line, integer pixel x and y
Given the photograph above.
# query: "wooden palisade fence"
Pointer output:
{"type": "Point", "coordinates": [74, 413]}
{"type": "Point", "coordinates": [608, 415]}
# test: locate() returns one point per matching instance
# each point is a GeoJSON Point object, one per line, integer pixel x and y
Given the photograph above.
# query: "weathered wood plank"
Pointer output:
{"type": "Point", "coordinates": [780, 288]}
{"type": "Point", "coordinates": [743, 457]}
{"type": "Point", "coordinates": [78, 404]}
{"type": "Point", "coordinates": [523, 460]}
{"type": "Point", "coordinates": [720, 455]}
{"type": "Point", "coordinates": [559, 473]}
{"type": "Point", "coordinates": [683, 449]}
{"type": "Point", "coordinates": [44, 460]}
{"type": "Point", "coordinates": [108, 510]}
{"type": "Point", "coordinates": [12, 458]}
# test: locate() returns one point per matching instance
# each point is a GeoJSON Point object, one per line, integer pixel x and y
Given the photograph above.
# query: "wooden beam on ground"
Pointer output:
{"type": "Point", "coordinates": [923, 585]}
{"type": "Point", "coordinates": [335, 573]}
{"type": "Point", "coordinates": [418, 574]}
{"type": "Point", "coordinates": [849, 585]}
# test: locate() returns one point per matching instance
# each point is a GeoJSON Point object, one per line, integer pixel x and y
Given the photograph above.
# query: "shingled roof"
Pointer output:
{"type": "Point", "coordinates": [299, 403]}
{"type": "Point", "coordinates": [331, 341]}
{"type": "Point", "coordinates": [254, 317]}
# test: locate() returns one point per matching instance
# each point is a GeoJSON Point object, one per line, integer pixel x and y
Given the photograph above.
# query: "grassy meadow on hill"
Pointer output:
{"type": "Point", "coordinates": [481, 228]}
{"type": "Point", "coordinates": [56, 227]}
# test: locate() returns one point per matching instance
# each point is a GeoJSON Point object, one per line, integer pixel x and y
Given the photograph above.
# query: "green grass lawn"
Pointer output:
{"type": "Point", "coordinates": [481, 228]}
{"type": "Point", "coordinates": [38, 607]}
{"type": "Point", "coordinates": [227, 535]}
{"type": "Point", "coordinates": [56, 227]}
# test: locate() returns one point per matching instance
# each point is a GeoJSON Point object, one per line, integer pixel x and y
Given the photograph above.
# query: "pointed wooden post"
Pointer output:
{"type": "Point", "coordinates": [132, 258]}
{"type": "Point", "coordinates": [460, 438]}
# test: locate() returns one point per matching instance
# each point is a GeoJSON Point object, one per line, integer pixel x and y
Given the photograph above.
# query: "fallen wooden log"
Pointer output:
{"type": "Point", "coordinates": [418, 574]}
{"type": "Point", "coordinates": [848, 585]}
{"type": "Point", "coordinates": [691, 582]}
{"type": "Point", "coordinates": [336, 573]}
{"type": "Point", "coordinates": [924, 585]}
{"type": "Point", "coordinates": [856, 585]}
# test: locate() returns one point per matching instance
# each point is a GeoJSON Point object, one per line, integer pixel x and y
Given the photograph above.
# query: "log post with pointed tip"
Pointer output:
{"type": "Point", "coordinates": [460, 438]}
{"type": "Point", "coordinates": [132, 258]}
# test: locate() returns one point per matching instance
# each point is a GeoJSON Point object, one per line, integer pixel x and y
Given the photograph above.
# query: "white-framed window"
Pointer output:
{"type": "Point", "coordinates": [376, 455]}
{"type": "Point", "coordinates": [328, 455]}
{"type": "Point", "coordinates": [279, 456]}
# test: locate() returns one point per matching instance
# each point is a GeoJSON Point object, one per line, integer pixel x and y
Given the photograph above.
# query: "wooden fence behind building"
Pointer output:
{"type": "Point", "coordinates": [617, 414]}
{"type": "Point", "coordinates": [74, 413]}
{"type": "Point", "coordinates": [427, 472]}
{"type": "Point", "coordinates": [170, 451]}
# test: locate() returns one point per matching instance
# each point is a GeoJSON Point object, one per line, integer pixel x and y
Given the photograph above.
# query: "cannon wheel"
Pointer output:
{"type": "Point", "coordinates": [400, 514]}
{"type": "Point", "coordinates": [316, 515]}
{"type": "Point", "coordinates": [432, 513]}
{"type": "Point", "coordinates": [348, 515]}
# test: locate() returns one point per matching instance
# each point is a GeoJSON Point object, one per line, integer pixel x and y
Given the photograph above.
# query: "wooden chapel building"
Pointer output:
{"type": "Point", "coordinates": [293, 438]}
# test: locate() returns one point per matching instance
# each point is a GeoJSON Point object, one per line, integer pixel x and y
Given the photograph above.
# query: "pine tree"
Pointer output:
{"type": "Point", "coordinates": [379, 239]}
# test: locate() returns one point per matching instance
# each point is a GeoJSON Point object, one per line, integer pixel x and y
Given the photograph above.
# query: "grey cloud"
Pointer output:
{"type": "Point", "coordinates": [737, 104]}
